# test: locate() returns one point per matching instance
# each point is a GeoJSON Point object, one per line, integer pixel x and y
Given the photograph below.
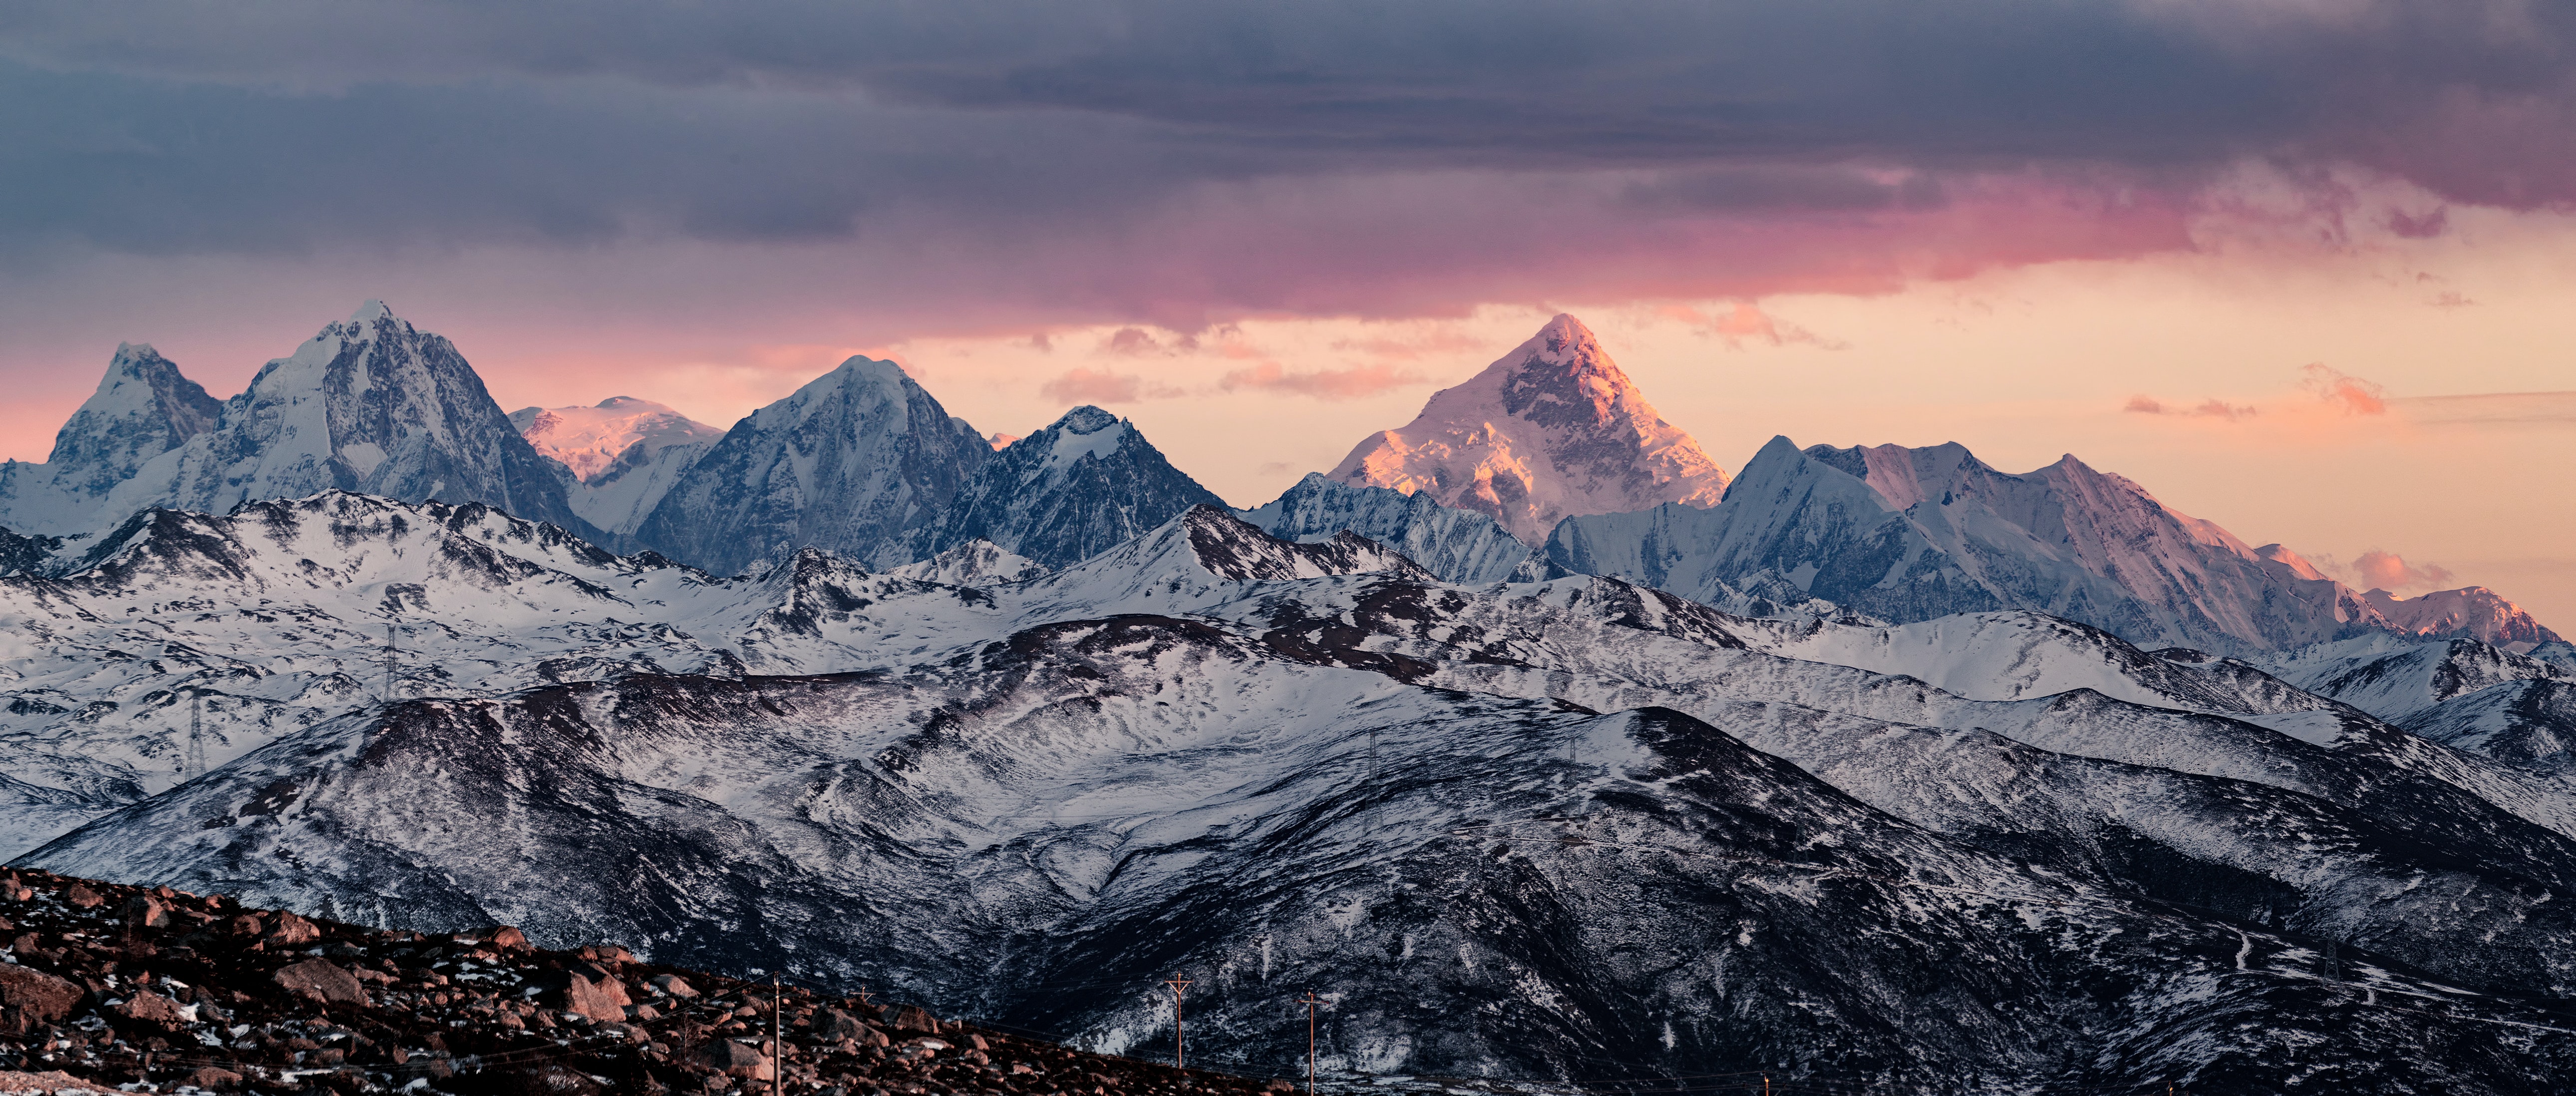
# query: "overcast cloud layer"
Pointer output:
{"type": "Point", "coordinates": [1225, 159]}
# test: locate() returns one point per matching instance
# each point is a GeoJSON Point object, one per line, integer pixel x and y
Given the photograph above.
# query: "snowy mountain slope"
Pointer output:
{"type": "Point", "coordinates": [974, 563]}
{"type": "Point", "coordinates": [1099, 803]}
{"type": "Point", "coordinates": [1085, 484]}
{"type": "Point", "coordinates": [241, 613]}
{"type": "Point", "coordinates": [2474, 612]}
{"type": "Point", "coordinates": [2474, 697]}
{"type": "Point", "coordinates": [2031, 775]}
{"type": "Point", "coordinates": [143, 408]}
{"type": "Point", "coordinates": [2530, 722]}
{"type": "Point", "coordinates": [1912, 534]}
{"type": "Point", "coordinates": [1277, 765]}
{"type": "Point", "coordinates": [1550, 429]}
{"type": "Point", "coordinates": [1461, 546]}
{"type": "Point", "coordinates": [372, 405]}
{"type": "Point", "coordinates": [626, 453]}
{"type": "Point", "coordinates": [860, 461]}
{"type": "Point", "coordinates": [2396, 680]}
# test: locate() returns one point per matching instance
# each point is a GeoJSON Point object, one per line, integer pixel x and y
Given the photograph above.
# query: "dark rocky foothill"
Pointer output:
{"type": "Point", "coordinates": [106, 987]}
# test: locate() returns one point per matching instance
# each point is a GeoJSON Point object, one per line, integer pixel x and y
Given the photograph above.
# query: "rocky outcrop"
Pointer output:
{"type": "Point", "coordinates": [1460, 546]}
{"type": "Point", "coordinates": [92, 1006]}
{"type": "Point", "coordinates": [1085, 484]}
{"type": "Point", "coordinates": [860, 461]}
{"type": "Point", "coordinates": [1912, 534]}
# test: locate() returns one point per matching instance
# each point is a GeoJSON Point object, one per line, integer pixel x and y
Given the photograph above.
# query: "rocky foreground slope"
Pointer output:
{"type": "Point", "coordinates": [106, 988]}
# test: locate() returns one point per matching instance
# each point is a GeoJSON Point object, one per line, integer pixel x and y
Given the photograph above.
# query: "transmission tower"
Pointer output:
{"type": "Point", "coordinates": [193, 764]}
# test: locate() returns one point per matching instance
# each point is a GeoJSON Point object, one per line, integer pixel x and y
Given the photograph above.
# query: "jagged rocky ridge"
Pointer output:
{"type": "Point", "coordinates": [1087, 483]}
{"type": "Point", "coordinates": [861, 461]}
{"type": "Point", "coordinates": [1578, 830]}
{"type": "Point", "coordinates": [1913, 534]}
{"type": "Point", "coordinates": [124, 988]}
{"type": "Point", "coordinates": [371, 405]}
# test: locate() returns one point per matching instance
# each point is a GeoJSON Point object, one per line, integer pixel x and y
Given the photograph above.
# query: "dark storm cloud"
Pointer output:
{"type": "Point", "coordinates": [200, 127]}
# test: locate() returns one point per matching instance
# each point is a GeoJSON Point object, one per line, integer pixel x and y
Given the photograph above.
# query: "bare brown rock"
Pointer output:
{"type": "Point", "coordinates": [915, 1018]}
{"type": "Point", "coordinates": [331, 981]}
{"type": "Point", "coordinates": [147, 1007]}
{"type": "Point", "coordinates": [584, 988]}
{"type": "Point", "coordinates": [504, 937]}
{"type": "Point", "coordinates": [213, 1078]}
{"type": "Point", "coordinates": [146, 912]}
{"type": "Point", "coordinates": [83, 897]}
{"type": "Point", "coordinates": [736, 1060]}
{"type": "Point", "coordinates": [291, 931]}
{"type": "Point", "coordinates": [673, 984]}
{"type": "Point", "coordinates": [37, 995]}
{"type": "Point", "coordinates": [48, 1081]}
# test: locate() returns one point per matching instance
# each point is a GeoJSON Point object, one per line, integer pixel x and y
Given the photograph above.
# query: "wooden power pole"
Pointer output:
{"type": "Point", "coordinates": [1310, 1002]}
{"type": "Point", "coordinates": [1178, 984]}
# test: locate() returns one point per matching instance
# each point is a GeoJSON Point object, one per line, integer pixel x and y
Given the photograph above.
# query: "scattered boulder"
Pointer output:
{"type": "Point", "coordinates": [146, 912]}
{"type": "Point", "coordinates": [47, 1082]}
{"type": "Point", "coordinates": [736, 1060]}
{"type": "Point", "coordinates": [37, 995]}
{"type": "Point", "coordinates": [83, 897]}
{"type": "Point", "coordinates": [836, 1025]}
{"type": "Point", "coordinates": [674, 985]}
{"type": "Point", "coordinates": [291, 931]}
{"type": "Point", "coordinates": [584, 988]}
{"type": "Point", "coordinates": [147, 1007]}
{"type": "Point", "coordinates": [210, 1077]}
{"type": "Point", "coordinates": [504, 937]}
{"type": "Point", "coordinates": [915, 1018]}
{"type": "Point", "coordinates": [329, 980]}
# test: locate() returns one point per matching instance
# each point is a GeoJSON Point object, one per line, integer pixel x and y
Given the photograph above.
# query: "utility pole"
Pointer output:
{"type": "Point", "coordinates": [777, 1034]}
{"type": "Point", "coordinates": [1178, 984]}
{"type": "Point", "coordinates": [1310, 1002]}
{"type": "Point", "coordinates": [193, 765]}
{"type": "Point", "coordinates": [389, 662]}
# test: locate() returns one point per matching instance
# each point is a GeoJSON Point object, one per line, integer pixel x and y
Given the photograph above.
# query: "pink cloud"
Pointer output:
{"type": "Point", "coordinates": [1747, 322]}
{"type": "Point", "coordinates": [2206, 409]}
{"type": "Point", "coordinates": [1322, 384]}
{"type": "Point", "coordinates": [1081, 385]}
{"type": "Point", "coordinates": [2389, 571]}
{"type": "Point", "coordinates": [2343, 391]}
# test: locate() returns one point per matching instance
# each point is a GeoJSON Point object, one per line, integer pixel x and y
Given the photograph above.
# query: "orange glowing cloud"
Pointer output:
{"type": "Point", "coordinates": [1324, 384]}
{"type": "Point", "coordinates": [2349, 394]}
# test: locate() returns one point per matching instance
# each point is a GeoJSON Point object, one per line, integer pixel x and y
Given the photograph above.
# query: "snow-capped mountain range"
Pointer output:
{"type": "Point", "coordinates": [1518, 830]}
{"type": "Point", "coordinates": [1887, 768]}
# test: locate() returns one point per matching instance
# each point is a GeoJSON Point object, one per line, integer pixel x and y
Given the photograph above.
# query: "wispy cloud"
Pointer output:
{"type": "Point", "coordinates": [1746, 322]}
{"type": "Point", "coordinates": [1081, 385]}
{"type": "Point", "coordinates": [2206, 409]}
{"type": "Point", "coordinates": [1324, 384]}
{"type": "Point", "coordinates": [2343, 391]}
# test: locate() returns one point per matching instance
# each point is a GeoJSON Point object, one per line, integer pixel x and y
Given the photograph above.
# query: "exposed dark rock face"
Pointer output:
{"type": "Point", "coordinates": [1913, 534]}
{"type": "Point", "coordinates": [1087, 483]}
{"type": "Point", "coordinates": [861, 461]}
{"type": "Point", "coordinates": [1460, 546]}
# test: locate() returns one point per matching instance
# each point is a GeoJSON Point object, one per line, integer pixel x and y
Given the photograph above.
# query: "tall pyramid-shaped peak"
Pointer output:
{"type": "Point", "coordinates": [1549, 430]}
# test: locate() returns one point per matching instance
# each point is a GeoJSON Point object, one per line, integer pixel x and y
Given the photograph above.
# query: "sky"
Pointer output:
{"type": "Point", "coordinates": [2298, 267]}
